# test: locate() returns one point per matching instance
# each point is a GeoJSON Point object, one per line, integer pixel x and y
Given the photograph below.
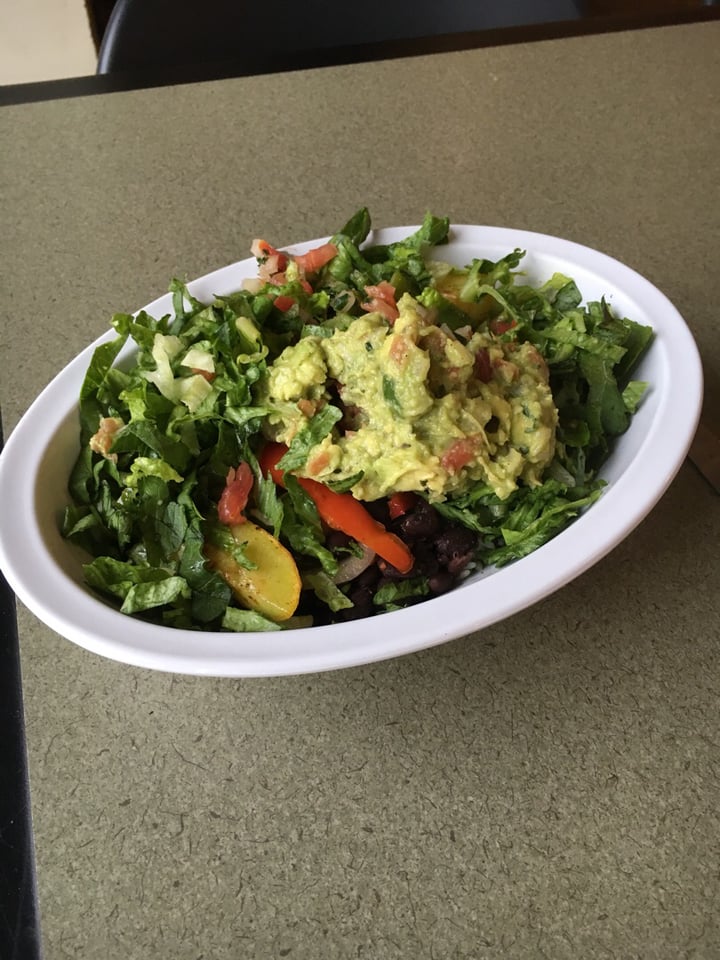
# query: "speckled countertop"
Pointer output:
{"type": "Point", "coordinates": [546, 788]}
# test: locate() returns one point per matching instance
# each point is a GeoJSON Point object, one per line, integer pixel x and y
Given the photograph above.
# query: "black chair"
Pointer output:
{"type": "Point", "coordinates": [260, 37]}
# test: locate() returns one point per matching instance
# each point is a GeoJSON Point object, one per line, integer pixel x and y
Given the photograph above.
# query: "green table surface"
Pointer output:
{"type": "Point", "coordinates": [547, 788]}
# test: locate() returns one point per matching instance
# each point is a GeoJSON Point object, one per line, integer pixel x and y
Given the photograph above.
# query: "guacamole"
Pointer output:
{"type": "Point", "coordinates": [422, 408]}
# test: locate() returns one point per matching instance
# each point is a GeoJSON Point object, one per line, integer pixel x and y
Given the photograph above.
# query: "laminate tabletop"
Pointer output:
{"type": "Point", "coordinates": [546, 787]}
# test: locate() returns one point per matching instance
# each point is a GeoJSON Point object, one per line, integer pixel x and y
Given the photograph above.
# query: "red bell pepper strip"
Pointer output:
{"type": "Point", "coordinates": [342, 511]}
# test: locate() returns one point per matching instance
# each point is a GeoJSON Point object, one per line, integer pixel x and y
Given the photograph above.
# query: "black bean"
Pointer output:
{"type": "Point", "coordinates": [455, 538]}
{"type": "Point", "coordinates": [458, 563]}
{"type": "Point", "coordinates": [311, 605]}
{"type": "Point", "coordinates": [378, 509]}
{"type": "Point", "coordinates": [441, 582]}
{"type": "Point", "coordinates": [426, 561]}
{"type": "Point", "coordinates": [425, 564]}
{"type": "Point", "coordinates": [421, 522]}
{"type": "Point", "coordinates": [455, 547]}
{"type": "Point", "coordinates": [362, 599]}
{"type": "Point", "coordinates": [335, 539]}
{"type": "Point", "coordinates": [392, 573]}
{"type": "Point", "coordinates": [369, 576]}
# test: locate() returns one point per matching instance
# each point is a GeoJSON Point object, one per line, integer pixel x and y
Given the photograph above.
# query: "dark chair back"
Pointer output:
{"type": "Point", "coordinates": [261, 36]}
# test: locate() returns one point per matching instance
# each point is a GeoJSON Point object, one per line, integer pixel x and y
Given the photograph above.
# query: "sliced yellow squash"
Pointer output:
{"type": "Point", "coordinates": [273, 587]}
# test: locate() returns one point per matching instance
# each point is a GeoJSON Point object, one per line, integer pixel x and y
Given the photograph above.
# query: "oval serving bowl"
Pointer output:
{"type": "Point", "coordinates": [45, 571]}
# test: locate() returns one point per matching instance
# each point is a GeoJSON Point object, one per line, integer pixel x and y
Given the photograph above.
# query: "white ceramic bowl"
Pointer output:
{"type": "Point", "coordinates": [45, 570]}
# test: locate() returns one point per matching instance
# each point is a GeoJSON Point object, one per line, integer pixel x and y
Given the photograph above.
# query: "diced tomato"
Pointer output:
{"type": "Point", "coordinates": [283, 302]}
{"type": "Point", "coordinates": [390, 312]}
{"type": "Point", "coordinates": [482, 367]}
{"type": "Point", "coordinates": [499, 327]}
{"type": "Point", "coordinates": [318, 463]}
{"type": "Point", "coordinates": [401, 503]}
{"type": "Point", "coordinates": [316, 258]}
{"type": "Point", "coordinates": [384, 290]}
{"type": "Point", "coordinates": [102, 441]}
{"type": "Point", "coordinates": [308, 408]}
{"type": "Point", "coordinates": [459, 454]}
{"type": "Point", "coordinates": [206, 374]}
{"type": "Point", "coordinates": [280, 279]}
{"type": "Point", "coordinates": [234, 497]}
{"type": "Point", "coordinates": [262, 250]}
{"type": "Point", "coordinates": [399, 348]}
{"type": "Point", "coordinates": [381, 299]}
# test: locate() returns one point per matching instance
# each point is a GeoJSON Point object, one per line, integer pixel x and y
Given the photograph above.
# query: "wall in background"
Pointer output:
{"type": "Point", "coordinates": [44, 40]}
